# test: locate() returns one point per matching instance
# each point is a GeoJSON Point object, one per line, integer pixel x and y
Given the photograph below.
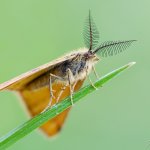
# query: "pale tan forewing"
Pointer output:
{"type": "Point", "coordinates": [18, 83]}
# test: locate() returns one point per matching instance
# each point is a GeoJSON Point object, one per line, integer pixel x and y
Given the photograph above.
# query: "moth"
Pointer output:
{"type": "Point", "coordinates": [50, 83]}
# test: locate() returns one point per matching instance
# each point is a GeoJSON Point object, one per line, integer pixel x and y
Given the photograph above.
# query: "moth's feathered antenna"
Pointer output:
{"type": "Point", "coordinates": [90, 33]}
{"type": "Point", "coordinates": [111, 48]}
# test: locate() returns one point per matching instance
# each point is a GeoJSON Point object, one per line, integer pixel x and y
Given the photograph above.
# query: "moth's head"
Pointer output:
{"type": "Point", "coordinates": [90, 56]}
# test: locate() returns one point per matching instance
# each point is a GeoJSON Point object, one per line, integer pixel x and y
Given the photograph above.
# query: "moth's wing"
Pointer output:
{"type": "Point", "coordinates": [37, 100]}
{"type": "Point", "coordinates": [19, 82]}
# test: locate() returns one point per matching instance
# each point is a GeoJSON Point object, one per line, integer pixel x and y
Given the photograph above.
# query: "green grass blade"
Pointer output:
{"type": "Point", "coordinates": [27, 127]}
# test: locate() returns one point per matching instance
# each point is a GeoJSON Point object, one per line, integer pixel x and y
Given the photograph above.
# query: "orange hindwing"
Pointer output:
{"type": "Point", "coordinates": [37, 100]}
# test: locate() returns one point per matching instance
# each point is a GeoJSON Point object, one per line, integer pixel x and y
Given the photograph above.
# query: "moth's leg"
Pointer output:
{"type": "Point", "coordinates": [62, 90]}
{"type": "Point", "coordinates": [90, 79]}
{"type": "Point", "coordinates": [97, 76]}
{"type": "Point", "coordinates": [52, 75]}
{"type": "Point", "coordinates": [94, 70]}
{"type": "Point", "coordinates": [74, 85]}
{"type": "Point", "coordinates": [51, 93]}
{"type": "Point", "coordinates": [69, 73]}
{"type": "Point", "coordinates": [92, 83]}
{"type": "Point", "coordinates": [51, 90]}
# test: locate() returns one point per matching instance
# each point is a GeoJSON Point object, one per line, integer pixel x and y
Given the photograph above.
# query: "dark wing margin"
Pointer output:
{"type": "Point", "coordinates": [111, 48]}
{"type": "Point", "coordinates": [90, 33]}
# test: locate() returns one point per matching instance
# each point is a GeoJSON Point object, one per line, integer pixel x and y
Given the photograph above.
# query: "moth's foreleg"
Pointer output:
{"type": "Point", "coordinates": [94, 70]}
{"type": "Point", "coordinates": [96, 74]}
{"type": "Point", "coordinates": [90, 79]}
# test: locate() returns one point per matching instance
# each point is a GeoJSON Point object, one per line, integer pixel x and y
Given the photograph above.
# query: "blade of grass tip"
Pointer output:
{"type": "Point", "coordinates": [27, 127]}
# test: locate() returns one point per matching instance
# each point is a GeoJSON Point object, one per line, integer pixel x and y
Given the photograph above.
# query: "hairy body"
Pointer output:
{"type": "Point", "coordinates": [80, 66]}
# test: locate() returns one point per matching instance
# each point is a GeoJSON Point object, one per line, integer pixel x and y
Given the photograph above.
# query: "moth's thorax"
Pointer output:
{"type": "Point", "coordinates": [80, 66]}
{"type": "Point", "coordinates": [79, 63]}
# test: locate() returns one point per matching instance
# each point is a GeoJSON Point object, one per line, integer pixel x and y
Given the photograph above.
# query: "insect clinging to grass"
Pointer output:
{"type": "Point", "coordinates": [50, 83]}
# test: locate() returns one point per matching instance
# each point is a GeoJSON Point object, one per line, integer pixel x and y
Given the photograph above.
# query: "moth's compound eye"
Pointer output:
{"type": "Point", "coordinates": [86, 55]}
{"type": "Point", "coordinates": [90, 52]}
{"type": "Point", "coordinates": [89, 55]}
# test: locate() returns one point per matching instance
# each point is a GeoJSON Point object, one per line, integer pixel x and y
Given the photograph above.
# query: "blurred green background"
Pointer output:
{"type": "Point", "coordinates": [117, 117]}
